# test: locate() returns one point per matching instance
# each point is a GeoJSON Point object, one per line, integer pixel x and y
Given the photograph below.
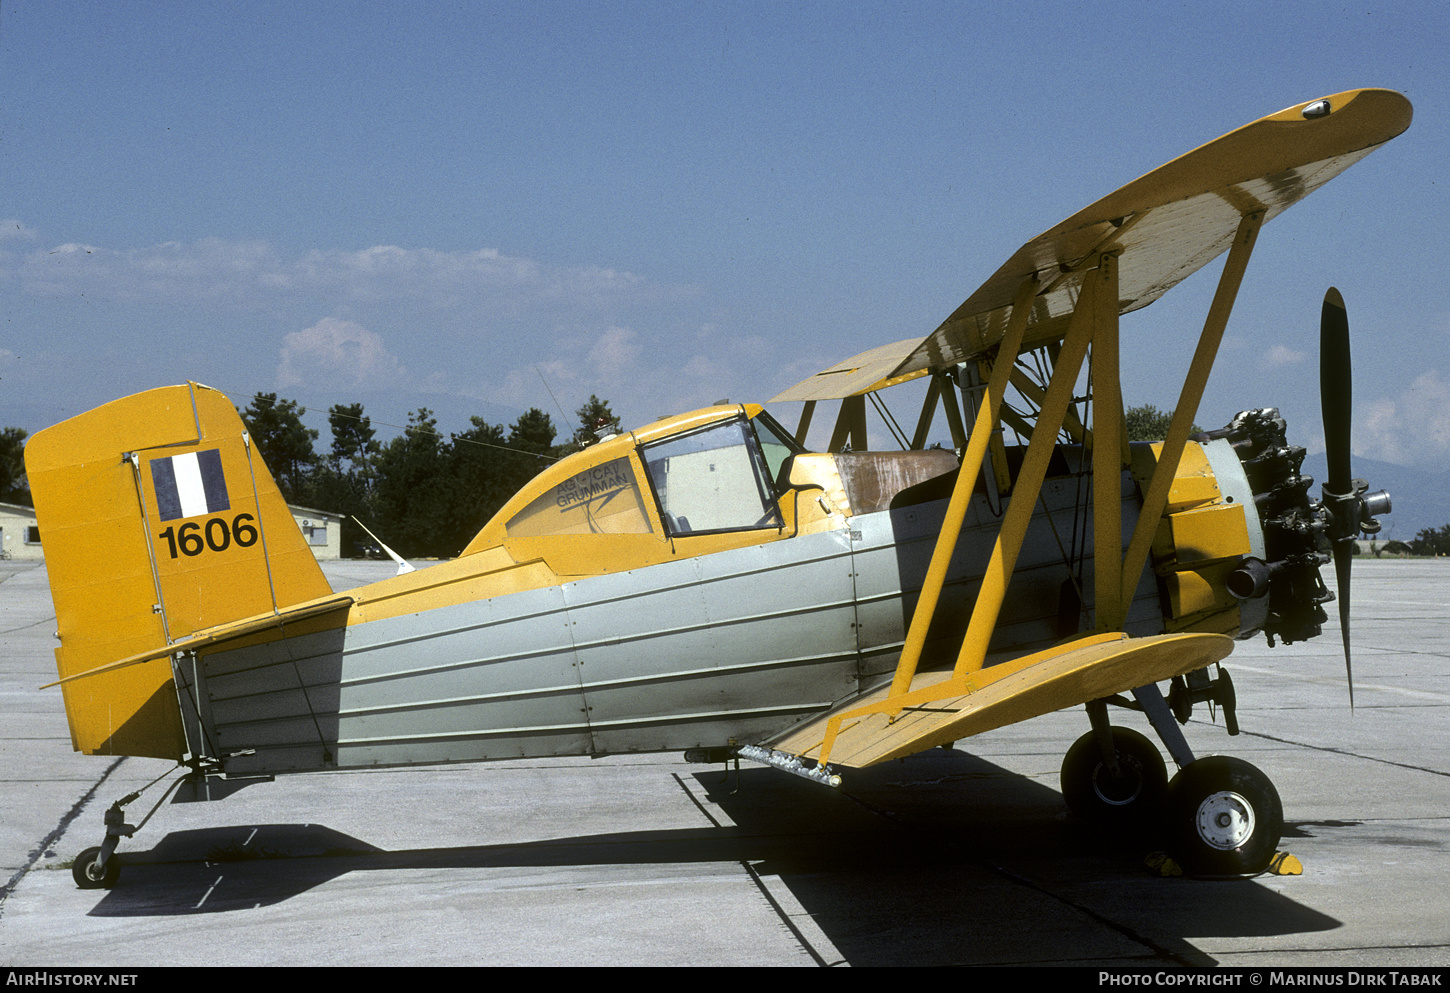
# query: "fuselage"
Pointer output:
{"type": "Point", "coordinates": [699, 582]}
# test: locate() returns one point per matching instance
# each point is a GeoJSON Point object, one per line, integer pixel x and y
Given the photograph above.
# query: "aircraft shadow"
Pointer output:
{"type": "Point", "coordinates": [943, 858]}
{"type": "Point", "coordinates": [972, 864]}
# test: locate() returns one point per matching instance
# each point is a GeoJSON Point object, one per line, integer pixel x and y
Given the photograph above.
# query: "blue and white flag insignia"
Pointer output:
{"type": "Point", "coordinates": [190, 485]}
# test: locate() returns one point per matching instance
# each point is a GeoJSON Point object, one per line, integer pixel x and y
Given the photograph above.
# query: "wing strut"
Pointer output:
{"type": "Point", "coordinates": [987, 418]}
{"type": "Point", "coordinates": [1110, 446]}
{"type": "Point", "coordinates": [1029, 480]}
{"type": "Point", "coordinates": [805, 424]}
{"type": "Point", "coordinates": [1094, 321]}
{"type": "Point", "coordinates": [1156, 497]}
{"type": "Point", "coordinates": [850, 425]}
{"type": "Point", "coordinates": [928, 412]}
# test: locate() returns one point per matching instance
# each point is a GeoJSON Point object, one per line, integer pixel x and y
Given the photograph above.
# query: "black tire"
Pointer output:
{"type": "Point", "coordinates": [1091, 792]}
{"type": "Point", "coordinates": [1224, 817]}
{"type": "Point", "coordinates": [83, 870]}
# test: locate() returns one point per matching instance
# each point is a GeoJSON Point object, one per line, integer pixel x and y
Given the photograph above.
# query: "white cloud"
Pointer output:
{"type": "Point", "coordinates": [1283, 355]}
{"type": "Point", "coordinates": [618, 364]}
{"type": "Point", "coordinates": [1411, 429]}
{"type": "Point", "coordinates": [208, 270]}
{"type": "Point", "coordinates": [13, 230]}
{"type": "Point", "coordinates": [576, 365]}
{"type": "Point", "coordinates": [338, 354]}
{"type": "Point", "coordinates": [253, 274]}
{"type": "Point", "coordinates": [613, 355]}
{"type": "Point", "coordinates": [467, 324]}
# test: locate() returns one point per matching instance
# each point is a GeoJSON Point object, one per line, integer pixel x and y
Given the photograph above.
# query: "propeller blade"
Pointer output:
{"type": "Point", "coordinates": [1336, 388]}
{"type": "Point", "coordinates": [1336, 399]}
{"type": "Point", "coordinates": [1342, 559]}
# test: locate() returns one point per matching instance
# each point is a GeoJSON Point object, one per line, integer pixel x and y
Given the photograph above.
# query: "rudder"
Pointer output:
{"type": "Point", "coordinates": [158, 520]}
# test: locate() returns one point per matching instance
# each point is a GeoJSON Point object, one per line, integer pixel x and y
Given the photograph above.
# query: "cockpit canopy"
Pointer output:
{"type": "Point", "coordinates": [716, 471]}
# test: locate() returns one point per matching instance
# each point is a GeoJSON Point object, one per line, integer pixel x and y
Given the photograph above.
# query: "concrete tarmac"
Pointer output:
{"type": "Point", "coordinates": [961, 857]}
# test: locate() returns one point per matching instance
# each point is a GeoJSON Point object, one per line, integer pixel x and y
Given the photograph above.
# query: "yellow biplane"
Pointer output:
{"type": "Point", "coordinates": [706, 584]}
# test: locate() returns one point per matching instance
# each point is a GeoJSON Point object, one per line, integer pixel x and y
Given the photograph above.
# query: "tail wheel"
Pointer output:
{"type": "Point", "coordinates": [1225, 817]}
{"type": "Point", "coordinates": [1093, 792]}
{"type": "Point", "coordinates": [89, 877]}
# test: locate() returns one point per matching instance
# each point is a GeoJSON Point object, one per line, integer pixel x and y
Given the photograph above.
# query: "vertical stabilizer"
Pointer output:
{"type": "Point", "coordinates": [158, 520]}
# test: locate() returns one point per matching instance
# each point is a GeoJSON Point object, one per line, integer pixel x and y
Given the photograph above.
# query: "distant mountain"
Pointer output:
{"type": "Point", "coordinates": [1421, 499]}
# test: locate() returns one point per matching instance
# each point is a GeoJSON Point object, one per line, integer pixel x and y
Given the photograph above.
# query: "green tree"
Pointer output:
{"type": "Point", "coordinates": [283, 442]}
{"type": "Point", "coordinates": [412, 491]}
{"type": "Point", "coordinates": [1148, 423]}
{"type": "Point", "coordinates": [488, 467]}
{"type": "Point", "coordinates": [352, 436]}
{"type": "Point", "coordinates": [1432, 541]}
{"type": "Point", "coordinates": [480, 478]}
{"type": "Point", "coordinates": [12, 466]}
{"type": "Point", "coordinates": [532, 432]}
{"type": "Point", "coordinates": [426, 495]}
{"type": "Point", "coordinates": [344, 481]}
{"type": "Point", "coordinates": [592, 415]}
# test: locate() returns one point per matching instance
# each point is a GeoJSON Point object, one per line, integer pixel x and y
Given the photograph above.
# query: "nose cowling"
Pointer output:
{"type": "Point", "coordinates": [1299, 530]}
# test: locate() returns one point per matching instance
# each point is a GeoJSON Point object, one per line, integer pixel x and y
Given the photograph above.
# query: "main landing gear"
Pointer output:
{"type": "Point", "coordinates": [1224, 817]}
{"type": "Point", "coordinates": [1218, 816]}
{"type": "Point", "coordinates": [1114, 789]}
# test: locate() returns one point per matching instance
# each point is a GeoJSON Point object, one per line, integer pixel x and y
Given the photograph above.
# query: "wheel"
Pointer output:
{"type": "Point", "coordinates": [84, 871]}
{"type": "Point", "coordinates": [1092, 792]}
{"type": "Point", "coordinates": [1224, 817]}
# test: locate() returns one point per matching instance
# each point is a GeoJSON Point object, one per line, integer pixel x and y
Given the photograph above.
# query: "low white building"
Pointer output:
{"type": "Point", "coordinates": [20, 533]}
{"type": "Point", "coordinates": [321, 528]}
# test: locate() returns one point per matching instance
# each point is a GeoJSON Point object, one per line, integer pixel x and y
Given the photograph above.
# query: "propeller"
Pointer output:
{"type": "Point", "coordinates": [1336, 401]}
{"type": "Point", "coordinates": [1350, 510]}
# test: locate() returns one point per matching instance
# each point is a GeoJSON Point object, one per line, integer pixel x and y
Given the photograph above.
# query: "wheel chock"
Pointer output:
{"type": "Point", "coordinates": [1162, 864]}
{"type": "Point", "coordinates": [1284, 864]}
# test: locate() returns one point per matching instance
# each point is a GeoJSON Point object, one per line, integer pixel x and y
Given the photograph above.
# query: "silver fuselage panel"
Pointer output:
{"type": "Point", "coordinates": [678, 655]}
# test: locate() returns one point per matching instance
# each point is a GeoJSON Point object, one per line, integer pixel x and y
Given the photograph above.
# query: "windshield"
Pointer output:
{"type": "Point", "coordinates": [714, 479]}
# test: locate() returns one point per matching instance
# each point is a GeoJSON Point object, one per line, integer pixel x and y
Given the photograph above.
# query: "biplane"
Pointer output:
{"type": "Point", "coordinates": [706, 584]}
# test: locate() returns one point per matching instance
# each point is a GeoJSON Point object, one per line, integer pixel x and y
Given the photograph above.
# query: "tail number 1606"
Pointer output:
{"type": "Point", "coordinates": [216, 534]}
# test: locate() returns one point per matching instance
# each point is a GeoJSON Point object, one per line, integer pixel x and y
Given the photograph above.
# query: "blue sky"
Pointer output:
{"type": "Point", "coordinates": [448, 205]}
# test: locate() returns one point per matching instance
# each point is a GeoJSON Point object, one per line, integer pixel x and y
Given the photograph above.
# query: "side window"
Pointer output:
{"type": "Point", "coordinates": [604, 499]}
{"type": "Point", "coordinates": [713, 479]}
{"type": "Point", "coordinates": [776, 445]}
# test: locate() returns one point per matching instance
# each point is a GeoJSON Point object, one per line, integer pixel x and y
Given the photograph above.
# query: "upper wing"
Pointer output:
{"type": "Point", "coordinates": [1166, 225]}
{"type": "Point", "coordinates": [864, 373]}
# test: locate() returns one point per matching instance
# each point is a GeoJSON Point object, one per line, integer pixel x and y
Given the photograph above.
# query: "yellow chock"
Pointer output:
{"type": "Point", "coordinates": [1162, 864]}
{"type": "Point", "coordinates": [1284, 864]}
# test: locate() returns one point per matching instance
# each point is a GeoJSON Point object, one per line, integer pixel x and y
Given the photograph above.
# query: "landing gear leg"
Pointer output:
{"type": "Point", "coordinates": [99, 868]}
{"type": "Point", "coordinates": [1150, 699]}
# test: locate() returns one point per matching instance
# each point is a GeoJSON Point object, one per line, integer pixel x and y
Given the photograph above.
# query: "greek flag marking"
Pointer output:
{"type": "Point", "coordinates": [190, 485]}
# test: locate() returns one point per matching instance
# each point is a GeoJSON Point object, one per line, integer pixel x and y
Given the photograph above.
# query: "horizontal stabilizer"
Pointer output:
{"type": "Point", "coordinates": [218, 635]}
